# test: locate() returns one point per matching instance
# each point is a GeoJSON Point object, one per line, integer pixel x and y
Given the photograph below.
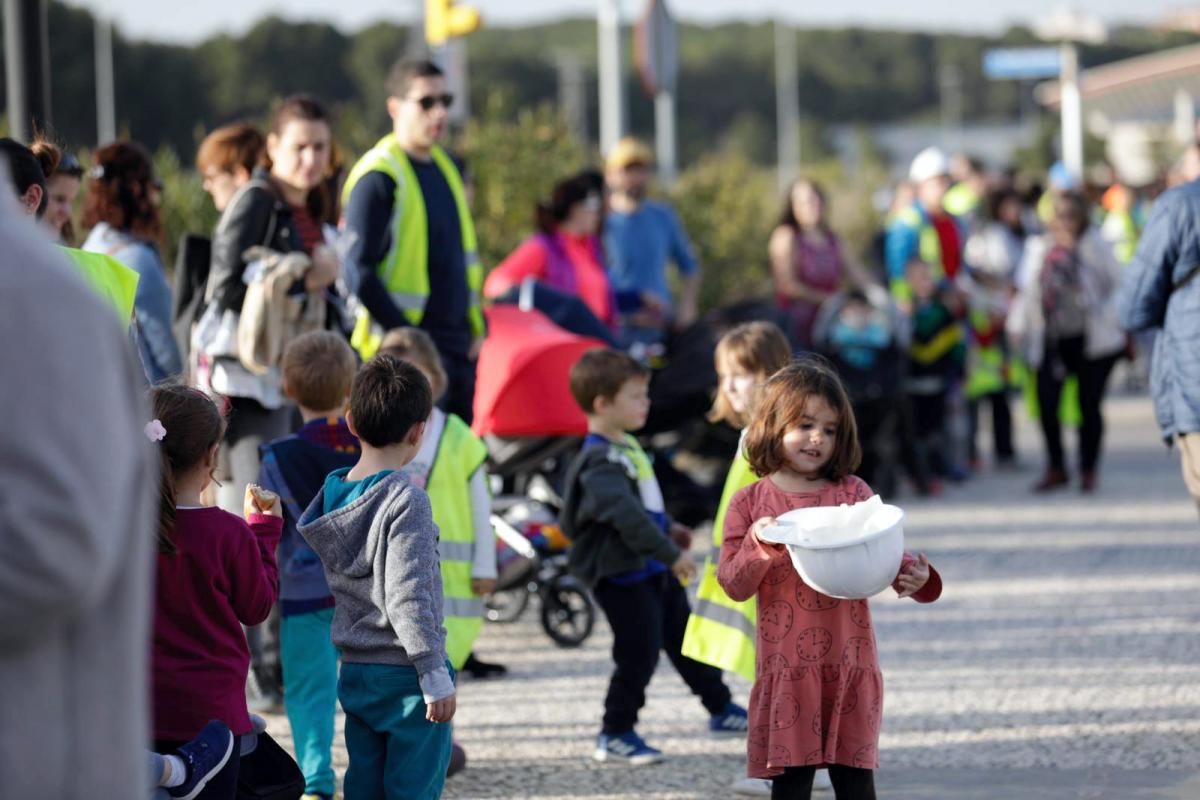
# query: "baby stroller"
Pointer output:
{"type": "Point", "coordinates": [864, 336]}
{"type": "Point", "coordinates": [525, 414]}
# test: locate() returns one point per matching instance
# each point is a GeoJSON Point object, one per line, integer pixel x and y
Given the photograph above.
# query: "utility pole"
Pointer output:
{"type": "Point", "coordinates": [787, 105]}
{"type": "Point", "coordinates": [106, 95]}
{"type": "Point", "coordinates": [612, 88]}
{"type": "Point", "coordinates": [572, 94]}
{"type": "Point", "coordinates": [952, 107]}
{"type": "Point", "coordinates": [1072, 111]}
{"type": "Point", "coordinates": [27, 63]}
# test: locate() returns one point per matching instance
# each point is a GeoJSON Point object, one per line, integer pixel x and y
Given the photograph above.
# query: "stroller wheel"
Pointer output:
{"type": "Point", "coordinates": [506, 605]}
{"type": "Point", "coordinates": [567, 614]}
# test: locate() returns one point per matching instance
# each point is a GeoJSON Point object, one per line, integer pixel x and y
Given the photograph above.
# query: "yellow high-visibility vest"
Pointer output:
{"type": "Point", "coordinates": [721, 632]}
{"type": "Point", "coordinates": [459, 454]}
{"type": "Point", "coordinates": [111, 279]}
{"type": "Point", "coordinates": [405, 268]}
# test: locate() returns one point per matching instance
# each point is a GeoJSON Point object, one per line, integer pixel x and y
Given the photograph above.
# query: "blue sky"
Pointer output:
{"type": "Point", "coordinates": [181, 21]}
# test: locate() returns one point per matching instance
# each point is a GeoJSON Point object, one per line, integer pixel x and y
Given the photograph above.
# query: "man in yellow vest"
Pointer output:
{"type": "Point", "coordinates": [413, 242]}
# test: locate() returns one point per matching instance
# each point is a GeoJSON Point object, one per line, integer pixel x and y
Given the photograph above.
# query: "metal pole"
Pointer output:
{"type": "Point", "coordinates": [1185, 117]}
{"type": "Point", "coordinates": [612, 94]}
{"type": "Point", "coordinates": [453, 60]}
{"type": "Point", "coordinates": [1072, 111]}
{"type": "Point", "coordinates": [952, 108]}
{"type": "Point", "coordinates": [572, 100]}
{"type": "Point", "coordinates": [787, 105]}
{"type": "Point", "coordinates": [27, 63]}
{"type": "Point", "coordinates": [664, 137]}
{"type": "Point", "coordinates": [106, 95]}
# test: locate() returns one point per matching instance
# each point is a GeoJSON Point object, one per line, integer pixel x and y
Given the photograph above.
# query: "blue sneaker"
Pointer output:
{"type": "Point", "coordinates": [628, 747]}
{"type": "Point", "coordinates": [204, 756]}
{"type": "Point", "coordinates": [733, 721]}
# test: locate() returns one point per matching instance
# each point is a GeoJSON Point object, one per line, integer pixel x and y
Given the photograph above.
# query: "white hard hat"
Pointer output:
{"type": "Point", "coordinates": [929, 163]}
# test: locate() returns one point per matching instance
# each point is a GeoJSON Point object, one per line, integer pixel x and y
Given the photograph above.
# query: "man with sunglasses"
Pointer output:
{"type": "Point", "coordinates": [412, 238]}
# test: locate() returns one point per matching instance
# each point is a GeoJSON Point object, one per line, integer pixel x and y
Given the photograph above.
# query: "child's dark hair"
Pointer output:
{"type": "Point", "coordinates": [783, 405]}
{"type": "Point", "coordinates": [318, 368]}
{"type": "Point", "coordinates": [416, 347]}
{"type": "Point", "coordinates": [602, 373]}
{"type": "Point", "coordinates": [194, 426]}
{"type": "Point", "coordinates": [388, 398]}
{"type": "Point", "coordinates": [31, 166]}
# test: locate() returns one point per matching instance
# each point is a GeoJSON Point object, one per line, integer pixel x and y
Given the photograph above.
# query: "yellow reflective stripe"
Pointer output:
{"type": "Point", "coordinates": [730, 617]}
{"type": "Point", "coordinates": [457, 551]}
{"type": "Point", "coordinates": [462, 607]}
{"type": "Point", "coordinates": [941, 344]}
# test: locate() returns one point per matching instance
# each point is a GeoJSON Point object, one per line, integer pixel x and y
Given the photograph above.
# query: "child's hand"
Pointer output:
{"type": "Point", "coordinates": [481, 587]}
{"type": "Point", "coordinates": [684, 569]}
{"type": "Point", "coordinates": [761, 525]}
{"type": "Point", "coordinates": [261, 501]}
{"type": "Point", "coordinates": [681, 535]}
{"type": "Point", "coordinates": [441, 710]}
{"type": "Point", "coordinates": [914, 576]}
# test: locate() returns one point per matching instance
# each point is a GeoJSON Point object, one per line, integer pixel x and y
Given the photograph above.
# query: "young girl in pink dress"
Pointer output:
{"type": "Point", "coordinates": [818, 697]}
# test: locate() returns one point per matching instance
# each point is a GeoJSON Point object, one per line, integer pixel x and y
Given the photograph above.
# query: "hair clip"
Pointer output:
{"type": "Point", "coordinates": [96, 172]}
{"type": "Point", "coordinates": [155, 431]}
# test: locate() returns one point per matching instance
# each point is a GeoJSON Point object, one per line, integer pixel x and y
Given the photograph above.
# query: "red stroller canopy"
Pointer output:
{"type": "Point", "coordinates": [522, 381]}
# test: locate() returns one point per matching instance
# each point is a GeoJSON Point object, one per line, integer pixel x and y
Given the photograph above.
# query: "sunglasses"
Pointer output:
{"type": "Point", "coordinates": [430, 100]}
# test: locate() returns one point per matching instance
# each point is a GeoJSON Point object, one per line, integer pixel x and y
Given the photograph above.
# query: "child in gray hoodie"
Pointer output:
{"type": "Point", "coordinates": [375, 535]}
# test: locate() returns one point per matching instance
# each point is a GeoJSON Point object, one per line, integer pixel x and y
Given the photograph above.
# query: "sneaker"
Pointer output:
{"type": "Point", "coordinates": [628, 747]}
{"type": "Point", "coordinates": [1052, 479]}
{"type": "Point", "coordinates": [733, 721]}
{"type": "Point", "coordinates": [482, 670]}
{"type": "Point", "coordinates": [458, 760]}
{"type": "Point", "coordinates": [204, 757]}
{"type": "Point", "coordinates": [752, 787]}
{"type": "Point", "coordinates": [1088, 482]}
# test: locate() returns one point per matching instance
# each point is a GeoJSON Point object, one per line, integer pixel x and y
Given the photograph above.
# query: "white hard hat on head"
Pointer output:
{"type": "Point", "coordinates": [929, 163]}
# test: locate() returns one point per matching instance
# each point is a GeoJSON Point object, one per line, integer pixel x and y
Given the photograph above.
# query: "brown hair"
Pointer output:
{"type": "Point", "coordinates": [784, 399]}
{"type": "Point", "coordinates": [306, 108]}
{"type": "Point", "coordinates": [416, 347]}
{"type": "Point", "coordinates": [602, 373]}
{"type": "Point", "coordinates": [318, 369]}
{"type": "Point", "coordinates": [230, 147]}
{"type": "Point", "coordinates": [404, 72]}
{"type": "Point", "coordinates": [388, 398]}
{"type": "Point", "coordinates": [119, 192]}
{"type": "Point", "coordinates": [194, 426]}
{"type": "Point", "coordinates": [787, 217]}
{"type": "Point", "coordinates": [760, 348]}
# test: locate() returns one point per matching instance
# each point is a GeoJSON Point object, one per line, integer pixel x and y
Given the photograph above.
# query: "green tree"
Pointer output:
{"type": "Point", "coordinates": [513, 165]}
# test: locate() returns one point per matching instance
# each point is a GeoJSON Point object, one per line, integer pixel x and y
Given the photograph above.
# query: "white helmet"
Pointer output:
{"type": "Point", "coordinates": [929, 163]}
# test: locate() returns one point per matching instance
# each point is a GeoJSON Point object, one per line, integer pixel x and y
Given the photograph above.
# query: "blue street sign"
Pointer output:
{"type": "Point", "coordinates": [1021, 63]}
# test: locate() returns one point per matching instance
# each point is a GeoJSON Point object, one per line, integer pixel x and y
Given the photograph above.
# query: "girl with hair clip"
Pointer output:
{"type": "Point", "coordinates": [215, 573]}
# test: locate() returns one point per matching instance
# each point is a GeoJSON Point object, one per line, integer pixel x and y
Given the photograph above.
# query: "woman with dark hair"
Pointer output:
{"type": "Point", "coordinates": [281, 208]}
{"type": "Point", "coordinates": [122, 209]}
{"type": "Point", "coordinates": [565, 253]}
{"type": "Point", "coordinates": [808, 263]}
{"type": "Point", "coordinates": [62, 187]}
{"type": "Point", "coordinates": [1064, 322]}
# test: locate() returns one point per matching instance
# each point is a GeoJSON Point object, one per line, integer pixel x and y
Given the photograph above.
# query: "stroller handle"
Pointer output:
{"type": "Point", "coordinates": [513, 537]}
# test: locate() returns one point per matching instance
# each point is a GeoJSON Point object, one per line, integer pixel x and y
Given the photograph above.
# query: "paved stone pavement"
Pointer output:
{"type": "Point", "coordinates": [1062, 661]}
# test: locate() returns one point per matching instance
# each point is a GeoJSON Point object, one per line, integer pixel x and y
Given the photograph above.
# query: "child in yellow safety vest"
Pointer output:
{"type": "Point", "coordinates": [720, 631]}
{"type": "Point", "coordinates": [449, 467]}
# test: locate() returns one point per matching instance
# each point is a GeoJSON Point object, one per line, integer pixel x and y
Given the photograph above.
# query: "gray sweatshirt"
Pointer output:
{"type": "Point", "coordinates": [381, 561]}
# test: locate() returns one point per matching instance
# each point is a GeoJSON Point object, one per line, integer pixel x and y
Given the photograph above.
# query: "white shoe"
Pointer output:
{"type": "Point", "coordinates": [821, 781]}
{"type": "Point", "coordinates": [752, 787]}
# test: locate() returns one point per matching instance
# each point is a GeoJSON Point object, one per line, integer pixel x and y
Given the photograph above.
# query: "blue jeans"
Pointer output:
{"type": "Point", "coordinates": [310, 675]}
{"type": "Point", "coordinates": [394, 752]}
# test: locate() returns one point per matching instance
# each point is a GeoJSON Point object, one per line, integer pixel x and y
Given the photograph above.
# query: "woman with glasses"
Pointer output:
{"type": "Point", "coordinates": [122, 209]}
{"type": "Point", "coordinates": [565, 253]}
{"type": "Point", "coordinates": [1064, 322]}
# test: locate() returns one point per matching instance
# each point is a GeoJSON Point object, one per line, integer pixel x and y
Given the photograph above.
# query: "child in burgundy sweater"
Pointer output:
{"type": "Point", "coordinates": [215, 574]}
